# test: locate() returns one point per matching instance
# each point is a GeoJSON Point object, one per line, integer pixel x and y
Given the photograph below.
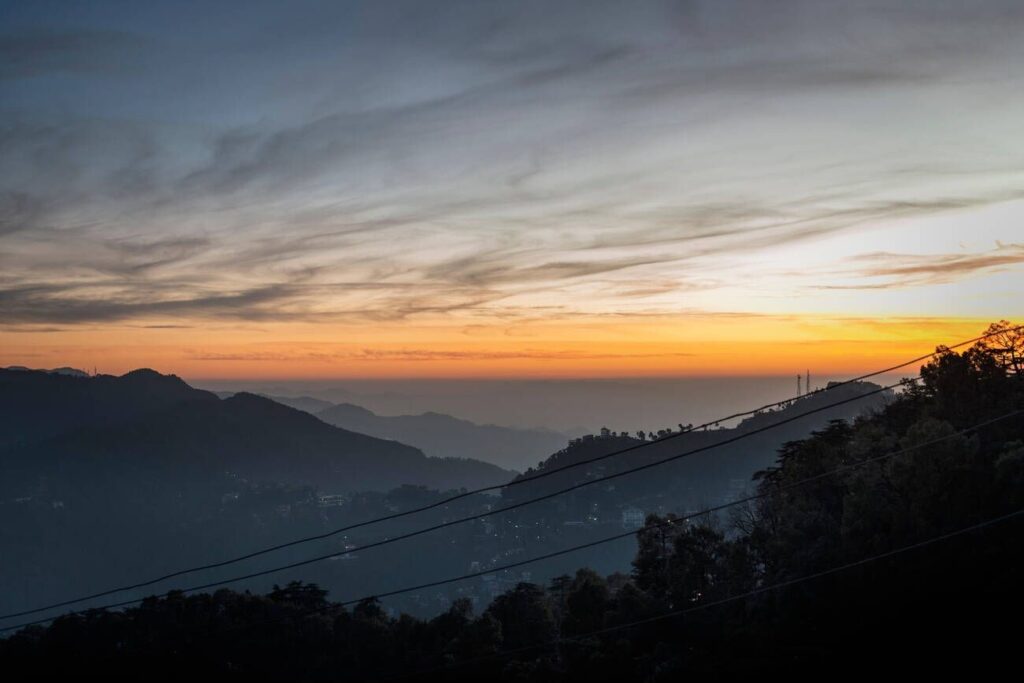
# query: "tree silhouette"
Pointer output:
{"type": "Point", "coordinates": [1006, 346]}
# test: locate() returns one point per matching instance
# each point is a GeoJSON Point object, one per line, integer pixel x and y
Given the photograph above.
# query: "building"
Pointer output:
{"type": "Point", "coordinates": [632, 517]}
{"type": "Point", "coordinates": [331, 501]}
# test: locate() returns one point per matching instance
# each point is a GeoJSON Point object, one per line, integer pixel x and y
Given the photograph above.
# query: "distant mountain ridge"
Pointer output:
{"type": "Point", "coordinates": [305, 403]}
{"type": "Point", "coordinates": [74, 372]}
{"type": "Point", "coordinates": [439, 434]}
{"type": "Point", "coordinates": [436, 434]}
{"type": "Point", "coordinates": [59, 428]}
{"type": "Point", "coordinates": [37, 404]}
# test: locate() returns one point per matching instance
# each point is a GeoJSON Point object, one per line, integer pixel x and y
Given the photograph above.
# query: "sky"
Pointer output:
{"type": "Point", "coordinates": [571, 189]}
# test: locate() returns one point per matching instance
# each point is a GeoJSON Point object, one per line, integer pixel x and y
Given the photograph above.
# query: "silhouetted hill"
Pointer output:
{"type": "Point", "coordinates": [72, 430]}
{"type": "Point", "coordinates": [121, 476]}
{"type": "Point", "coordinates": [306, 403]}
{"type": "Point", "coordinates": [697, 479]}
{"type": "Point", "coordinates": [37, 404]}
{"type": "Point", "coordinates": [439, 434]}
{"type": "Point", "coordinates": [65, 370]}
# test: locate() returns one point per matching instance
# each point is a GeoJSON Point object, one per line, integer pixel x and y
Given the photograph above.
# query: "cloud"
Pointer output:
{"type": "Point", "coordinates": [416, 355]}
{"type": "Point", "coordinates": [65, 304]}
{"type": "Point", "coordinates": [912, 270]}
{"type": "Point", "coordinates": [19, 211]}
{"type": "Point", "coordinates": [134, 257]}
{"type": "Point", "coordinates": [479, 159]}
{"type": "Point", "coordinates": [33, 330]}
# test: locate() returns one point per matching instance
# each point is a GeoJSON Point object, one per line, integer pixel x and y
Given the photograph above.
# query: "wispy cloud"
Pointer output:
{"type": "Point", "coordinates": [418, 355]}
{"type": "Point", "coordinates": [890, 271]}
{"type": "Point", "coordinates": [66, 305]}
{"type": "Point", "coordinates": [34, 329]}
{"type": "Point", "coordinates": [484, 160]}
{"type": "Point", "coordinates": [19, 211]}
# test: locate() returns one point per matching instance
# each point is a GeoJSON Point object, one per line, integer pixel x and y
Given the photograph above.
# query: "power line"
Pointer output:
{"type": "Point", "coordinates": [461, 520]}
{"type": "Point", "coordinates": [739, 596]}
{"type": "Point", "coordinates": [496, 487]}
{"type": "Point", "coordinates": [602, 541]}
{"type": "Point", "coordinates": [700, 513]}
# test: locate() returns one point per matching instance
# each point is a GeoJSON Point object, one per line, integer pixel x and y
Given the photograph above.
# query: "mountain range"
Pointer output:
{"type": "Point", "coordinates": [58, 428]}
{"type": "Point", "coordinates": [438, 434]}
{"type": "Point", "coordinates": [139, 474]}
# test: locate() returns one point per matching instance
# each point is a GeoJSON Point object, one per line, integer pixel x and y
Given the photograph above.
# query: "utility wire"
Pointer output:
{"type": "Point", "coordinates": [734, 598]}
{"type": "Point", "coordinates": [694, 515]}
{"type": "Point", "coordinates": [496, 487]}
{"type": "Point", "coordinates": [461, 520]}
{"type": "Point", "coordinates": [608, 539]}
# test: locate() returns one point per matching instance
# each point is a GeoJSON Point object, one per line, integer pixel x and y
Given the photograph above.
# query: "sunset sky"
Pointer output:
{"type": "Point", "coordinates": [506, 189]}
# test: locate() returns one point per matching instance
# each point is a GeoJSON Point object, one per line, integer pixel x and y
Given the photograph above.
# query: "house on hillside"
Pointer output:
{"type": "Point", "coordinates": [331, 501]}
{"type": "Point", "coordinates": [632, 517]}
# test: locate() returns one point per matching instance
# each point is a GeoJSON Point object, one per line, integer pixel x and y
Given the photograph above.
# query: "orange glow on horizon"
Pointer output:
{"type": "Point", "coordinates": [690, 345]}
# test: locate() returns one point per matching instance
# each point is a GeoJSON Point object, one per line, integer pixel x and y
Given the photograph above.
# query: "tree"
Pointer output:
{"type": "Point", "coordinates": [449, 624]}
{"type": "Point", "coordinates": [654, 540]}
{"type": "Point", "coordinates": [557, 589]}
{"type": "Point", "coordinates": [1006, 345]}
{"type": "Point", "coordinates": [695, 568]}
{"type": "Point", "coordinates": [587, 602]}
{"type": "Point", "coordinates": [480, 638]}
{"type": "Point", "coordinates": [525, 617]}
{"type": "Point", "coordinates": [306, 596]}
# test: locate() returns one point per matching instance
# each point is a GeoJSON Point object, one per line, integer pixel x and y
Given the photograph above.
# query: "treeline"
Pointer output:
{"type": "Point", "coordinates": [854, 559]}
